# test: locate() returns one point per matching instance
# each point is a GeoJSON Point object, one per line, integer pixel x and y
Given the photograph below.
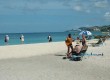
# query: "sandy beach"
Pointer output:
{"type": "Point", "coordinates": [44, 61]}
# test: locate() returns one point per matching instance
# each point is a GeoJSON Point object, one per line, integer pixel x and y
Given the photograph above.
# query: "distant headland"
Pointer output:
{"type": "Point", "coordinates": [105, 28]}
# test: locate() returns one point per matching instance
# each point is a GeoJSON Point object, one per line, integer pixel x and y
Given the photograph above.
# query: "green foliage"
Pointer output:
{"type": "Point", "coordinates": [105, 28]}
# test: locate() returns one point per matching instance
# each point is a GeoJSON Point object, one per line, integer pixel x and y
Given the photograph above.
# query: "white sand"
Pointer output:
{"type": "Point", "coordinates": [27, 50]}
{"type": "Point", "coordinates": [47, 64]}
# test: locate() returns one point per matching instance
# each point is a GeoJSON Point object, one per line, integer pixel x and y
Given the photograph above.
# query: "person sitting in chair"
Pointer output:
{"type": "Point", "coordinates": [99, 41]}
{"type": "Point", "coordinates": [77, 49]}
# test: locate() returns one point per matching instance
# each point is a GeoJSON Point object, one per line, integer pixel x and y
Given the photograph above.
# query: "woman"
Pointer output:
{"type": "Point", "coordinates": [78, 40]}
{"type": "Point", "coordinates": [77, 49]}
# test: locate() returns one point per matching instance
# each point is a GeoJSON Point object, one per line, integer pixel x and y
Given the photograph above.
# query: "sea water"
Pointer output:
{"type": "Point", "coordinates": [40, 37]}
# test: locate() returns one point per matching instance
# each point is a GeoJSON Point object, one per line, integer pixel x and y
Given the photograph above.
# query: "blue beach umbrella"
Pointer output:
{"type": "Point", "coordinates": [87, 33]}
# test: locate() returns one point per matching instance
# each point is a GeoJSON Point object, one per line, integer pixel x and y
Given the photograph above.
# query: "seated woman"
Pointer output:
{"type": "Point", "coordinates": [77, 49]}
{"type": "Point", "coordinates": [99, 41]}
{"type": "Point", "coordinates": [78, 41]}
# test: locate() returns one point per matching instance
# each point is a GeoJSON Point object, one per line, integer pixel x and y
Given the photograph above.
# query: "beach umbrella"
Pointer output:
{"type": "Point", "coordinates": [87, 33]}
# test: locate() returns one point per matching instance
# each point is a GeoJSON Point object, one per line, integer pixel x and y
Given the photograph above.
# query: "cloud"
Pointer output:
{"type": "Point", "coordinates": [88, 11]}
{"type": "Point", "coordinates": [77, 8]}
{"type": "Point", "coordinates": [32, 6]}
{"type": "Point", "coordinates": [107, 16]}
{"type": "Point", "coordinates": [101, 4]}
{"type": "Point", "coordinates": [81, 6]}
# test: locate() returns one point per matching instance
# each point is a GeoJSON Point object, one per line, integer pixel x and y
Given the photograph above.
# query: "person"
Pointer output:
{"type": "Point", "coordinates": [77, 49]}
{"type": "Point", "coordinates": [68, 42]}
{"type": "Point", "coordinates": [83, 40]}
{"type": "Point", "coordinates": [49, 38]}
{"type": "Point", "coordinates": [77, 40]}
{"type": "Point", "coordinates": [99, 41]}
{"type": "Point", "coordinates": [22, 38]}
{"type": "Point", "coordinates": [6, 39]}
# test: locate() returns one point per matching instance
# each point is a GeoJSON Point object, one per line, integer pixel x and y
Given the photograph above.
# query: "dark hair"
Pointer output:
{"type": "Point", "coordinates": [77, 37]}
{"type": "Point", "coordinates": [69, 35]}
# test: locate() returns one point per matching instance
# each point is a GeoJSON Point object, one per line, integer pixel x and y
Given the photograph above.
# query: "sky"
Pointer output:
{"type": "Point", "coordinates": [52, 15]}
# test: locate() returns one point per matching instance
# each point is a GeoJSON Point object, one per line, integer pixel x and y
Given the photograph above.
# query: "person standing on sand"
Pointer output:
{"type": "Point", "coordinates": [6, 39]}
{"type": "Point", "coordinates": [22, 38]}
{"type": "Point", "coordinates": [49, 38]}
{"type": "Point", "coordinates": [83, 40]}
{"type": "Point", "coordinates": [68, 42]}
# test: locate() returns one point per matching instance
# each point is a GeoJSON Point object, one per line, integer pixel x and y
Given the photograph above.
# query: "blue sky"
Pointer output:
{"type": "Point", "coordinates": [52, 15]}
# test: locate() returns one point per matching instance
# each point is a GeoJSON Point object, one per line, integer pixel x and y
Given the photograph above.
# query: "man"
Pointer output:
{"type": "Point", "coordinates": [49, 38]}
{"type": "Point", "coordinates": [68, 42]}
{"type": "Point", "coordinates": [6, 39]}
{"type": "Point", "coordinates": [22, 38]}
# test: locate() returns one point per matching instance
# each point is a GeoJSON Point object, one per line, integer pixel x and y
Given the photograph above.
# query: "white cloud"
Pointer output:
{"type": "Point", "coordinates": [107, 16]}
{"type": "Point", "coordinates": [89, 6]}
{"type": "Point", "coordinates": [88, 11]}
{"type": "Point", "coordinates": [28, 6]}
{"type": "Point", "coordinates": [77, 8]}
{"type": "Point", "coordinates": [81, 6]}
{"type": "Point", "coordinates": [35, 5]}
{"type": "Point", "coordinates": [101, 4]}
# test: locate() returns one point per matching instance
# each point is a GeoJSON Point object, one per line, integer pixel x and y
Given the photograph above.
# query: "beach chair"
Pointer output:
{"type": "Point", "coordinates": [79, 56]}
{"type": "Point", "coordinates": [101, 41]}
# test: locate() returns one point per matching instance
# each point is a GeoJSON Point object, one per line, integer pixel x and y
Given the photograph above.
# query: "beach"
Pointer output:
{"type": "Point", "coordinates": [43, 61]}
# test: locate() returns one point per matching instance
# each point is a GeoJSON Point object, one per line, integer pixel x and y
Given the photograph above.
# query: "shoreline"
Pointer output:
{"type": "Point", "coordinates": [27, 43]}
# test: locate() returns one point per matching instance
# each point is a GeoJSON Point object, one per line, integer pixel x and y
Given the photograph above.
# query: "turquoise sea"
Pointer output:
{"type": "Point", "coordinates": [40, 37]}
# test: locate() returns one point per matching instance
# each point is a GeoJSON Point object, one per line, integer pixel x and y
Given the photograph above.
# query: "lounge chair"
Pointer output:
{"type": "Point", "coordinates": [100, 42]}
{"type": "Point", "coordinates": [79, 56]}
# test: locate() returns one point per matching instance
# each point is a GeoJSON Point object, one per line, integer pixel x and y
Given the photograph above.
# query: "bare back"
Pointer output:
{"type": "Point", "coordinates": [78, 48]}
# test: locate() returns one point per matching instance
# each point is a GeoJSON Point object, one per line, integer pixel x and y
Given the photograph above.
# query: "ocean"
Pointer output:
{"type": "Point", "coordinates": [40, 37]}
